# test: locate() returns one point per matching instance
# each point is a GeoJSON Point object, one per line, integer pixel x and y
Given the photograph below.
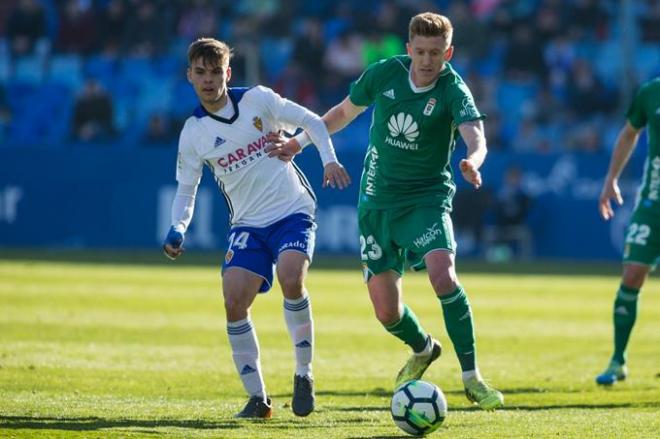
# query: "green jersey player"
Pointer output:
{"type": "Point", "coordinates": [420, 105]}
{"type": "Point", "coordinates": [642, 244]}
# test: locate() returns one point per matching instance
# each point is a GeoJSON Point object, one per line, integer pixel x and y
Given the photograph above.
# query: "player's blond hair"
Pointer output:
{"type": "Point", "coordinates": [213, 52]}
{"type": "Point", "coordinates": [428, 24]}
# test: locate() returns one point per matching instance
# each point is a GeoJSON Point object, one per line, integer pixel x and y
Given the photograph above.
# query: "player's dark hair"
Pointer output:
{"type": "Point", "coordinates": [212, 51]}
{"type": "Point", "coordinates": [428, 24]}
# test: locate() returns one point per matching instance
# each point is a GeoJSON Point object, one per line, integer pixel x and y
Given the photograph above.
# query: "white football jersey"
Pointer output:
{"type": "Point", "coordinates": [259, 190]}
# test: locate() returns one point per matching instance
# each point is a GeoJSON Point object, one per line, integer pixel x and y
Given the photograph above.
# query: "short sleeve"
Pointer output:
{"type": "Point", "coordinates": [462, 106]}
{"type": "Point", "coordinates": [189, 165]}
{"type": "Point", "coordinates": [363, 90]}
{"type": "Point", "coordinates": [636, 114]}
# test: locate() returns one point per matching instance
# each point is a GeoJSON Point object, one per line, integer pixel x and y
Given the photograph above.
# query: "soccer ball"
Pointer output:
{"type": "Point", "coordinates": [418, 407]}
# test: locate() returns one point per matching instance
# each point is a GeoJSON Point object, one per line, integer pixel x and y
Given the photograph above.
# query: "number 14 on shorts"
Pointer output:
{"type": "Point", "coordinates": [239, 241]}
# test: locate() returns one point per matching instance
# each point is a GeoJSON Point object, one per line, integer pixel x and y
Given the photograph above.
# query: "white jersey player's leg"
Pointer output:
{"type": "Point", "coordinates": [240, 287]}
{"type": "Point", "coordinates": [291, 271]}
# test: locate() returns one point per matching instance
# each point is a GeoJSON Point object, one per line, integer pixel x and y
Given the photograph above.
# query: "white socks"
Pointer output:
{"type": "Point", "coordinates": [470, 375]}
{"type": "Point", "coordinates": [245, 346]}
{"type": "Point", "coordinates": [298, 316]}
{"type": "Point", "coordinates": [245, 351]}
{"type": "Point", "coordinates": [428, 348]}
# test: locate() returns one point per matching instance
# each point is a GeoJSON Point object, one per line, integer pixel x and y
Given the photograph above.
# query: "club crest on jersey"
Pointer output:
{"type": "Point", "coordinates": [218, 141]}
{"type": "Point", "coordinates": [258, 124]}
{"type": "Point", "coordinates": [228, 256]}
{"type": "Point", "coordinates": [430, 105]}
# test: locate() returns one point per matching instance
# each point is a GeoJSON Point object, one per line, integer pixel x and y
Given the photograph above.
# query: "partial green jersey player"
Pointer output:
{"type": "Point", "coordinates": [642, 241]}
{"type": "Point", "coordinates": [412, 135]}
{"type": "Point", "coordinates": [407, 182]}
{"type": "Point", "coordinates": [420, 106]}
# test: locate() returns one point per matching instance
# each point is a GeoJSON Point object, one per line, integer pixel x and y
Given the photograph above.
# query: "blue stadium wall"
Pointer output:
{"type": "Point", "coordinates": [96, 197]}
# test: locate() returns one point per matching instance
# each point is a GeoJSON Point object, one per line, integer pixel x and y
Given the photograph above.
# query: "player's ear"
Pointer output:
{"type": "Point", "coordinates": [228, 73]}
{"type": "Point", "coordinates": [188, 74]}
{"type": "Point", "coordinates": [449, 53]}
{"type": "Point", "coordinates": [408, 49]}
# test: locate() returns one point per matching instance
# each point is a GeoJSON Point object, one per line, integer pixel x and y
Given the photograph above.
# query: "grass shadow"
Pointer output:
{"type": "Point", "coordinates": [529, 408]}
{"type": "Point", "coordinates": [95, 423]}
{"type": "Point", "coordinates": [378, 391]}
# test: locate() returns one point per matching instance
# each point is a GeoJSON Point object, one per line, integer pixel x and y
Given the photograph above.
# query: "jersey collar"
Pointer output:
{"type": "Point", "coordinates": [234, 104]}
{"type": "Point", "coordinates": [416, 89]}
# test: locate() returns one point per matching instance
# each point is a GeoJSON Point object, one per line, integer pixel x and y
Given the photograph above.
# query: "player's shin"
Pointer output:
{"type": "Point", "coordinates": [298, 317]}
{"type": "Point", "coordinates": [409, 330]}
{"type": "Point", "coordinates": [625, 314]}
{"type": "Point", "coordinates": [458, 321]}
{"type": "Point", "coordinates": [245, 352]}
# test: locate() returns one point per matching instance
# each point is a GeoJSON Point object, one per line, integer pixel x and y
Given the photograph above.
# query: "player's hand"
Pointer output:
{"type": "Point", "coordinates": [335, 176]}
{"type": "Point", "coordinates": [281, 147]}
{"type": "Point", "coordinates": [610, 192]}
{"type": "Point", "coordinates": [172, 246]}
{"type": "Point", "coordinates": [470, 173]}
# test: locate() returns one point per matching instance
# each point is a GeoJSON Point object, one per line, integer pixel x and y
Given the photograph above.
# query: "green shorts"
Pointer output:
{"type": "Point", "coordinates": [392, 238]}
{"type": "Point", "coordinates": [642, 244]}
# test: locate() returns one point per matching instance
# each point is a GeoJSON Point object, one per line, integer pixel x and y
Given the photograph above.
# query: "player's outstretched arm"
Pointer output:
{"type": "Point", "coordinates": [335, 120]}
{"type": "Point", "coordinates": [472, 133]}
{"type": "Point", "coordinates": [341, 115]}
{"type": "Point", "coordinates": [625, 143]}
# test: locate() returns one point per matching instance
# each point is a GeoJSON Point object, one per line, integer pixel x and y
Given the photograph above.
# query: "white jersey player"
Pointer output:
{"type": "Point", "coordinates": [271, 208]}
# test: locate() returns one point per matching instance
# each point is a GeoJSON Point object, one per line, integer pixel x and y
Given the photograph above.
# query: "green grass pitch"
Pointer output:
{"type": "Point", "coordinates": [102, 349]}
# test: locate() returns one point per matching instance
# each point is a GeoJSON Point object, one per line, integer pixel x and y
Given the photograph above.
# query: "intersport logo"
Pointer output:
{"type": "Point", "coordinates": [403, 124]}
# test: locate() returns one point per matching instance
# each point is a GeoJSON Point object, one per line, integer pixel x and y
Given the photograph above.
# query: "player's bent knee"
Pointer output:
{"type": "Point", "coordinates": [291, 283]}
{"type": "Point", "coordinates": [236, 306]}
{"type": "Point", "coordinates": [387, 316]}
{"type": "Point", "coordinates": [634, 275]}
{"type": "Point", "coordinates": [444, 283]}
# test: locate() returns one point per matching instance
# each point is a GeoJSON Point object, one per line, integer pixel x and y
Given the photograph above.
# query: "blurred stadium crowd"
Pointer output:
{"type": "Point", "coordinates": [547, 72]}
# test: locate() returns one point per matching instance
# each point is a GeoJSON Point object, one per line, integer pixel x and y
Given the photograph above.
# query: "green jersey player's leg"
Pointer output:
{"type": "Point", "coordinates": [426, 234]}
{"type": "Point", "coordinates": [641, 252]}
{"type": "Point", "coordinates": [383, 263]}
{"type": "Point", "coordinates": [642, 244]}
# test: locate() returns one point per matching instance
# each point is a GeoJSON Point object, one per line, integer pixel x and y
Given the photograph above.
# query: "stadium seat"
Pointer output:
{"type": "Point", "coordinates": [275, 55]}
{"type": "Point", "coordinates": [18, 94]}
{"type": "Point", "coordinates": [66, 69]}
{"type": "Point", "coordinates": [169, 66]}
{"type": "Point", "coordinates": [102, 68]}
{"type": "Point", "coordinates": [29, 69]}
{"type": "Point", "coordinates": [136, 71]}
{"type": "Point", "coordinates": [647, 61]}
{"type": "Point", "coordinates": [511, 99]}
{"type": "Point", "coordinates": [607, 62]}
{"type": "Point", "coordinates": [183, 99]}
{"type": "Point", "coordinates": [41, 113]}
{"type": "Point", "coordinates": [5, 67]}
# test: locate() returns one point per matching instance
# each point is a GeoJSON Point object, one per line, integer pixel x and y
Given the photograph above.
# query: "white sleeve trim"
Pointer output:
{"type": "Point", "coordinates": [183, 206]}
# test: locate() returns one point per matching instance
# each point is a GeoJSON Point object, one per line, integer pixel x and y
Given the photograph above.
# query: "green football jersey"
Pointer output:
{"type": "Point", "coordinates": [645, 111]}
{"type": "Point", "coordinates": [412, 135]}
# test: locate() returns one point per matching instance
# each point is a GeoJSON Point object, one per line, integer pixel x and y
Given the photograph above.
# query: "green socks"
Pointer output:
{"type": "Point", "coordinates": [458, 321]}
{"type": "Point", "coordinates": [625, 313]}
{"type": "Point", "coordinates": [408, 330]}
